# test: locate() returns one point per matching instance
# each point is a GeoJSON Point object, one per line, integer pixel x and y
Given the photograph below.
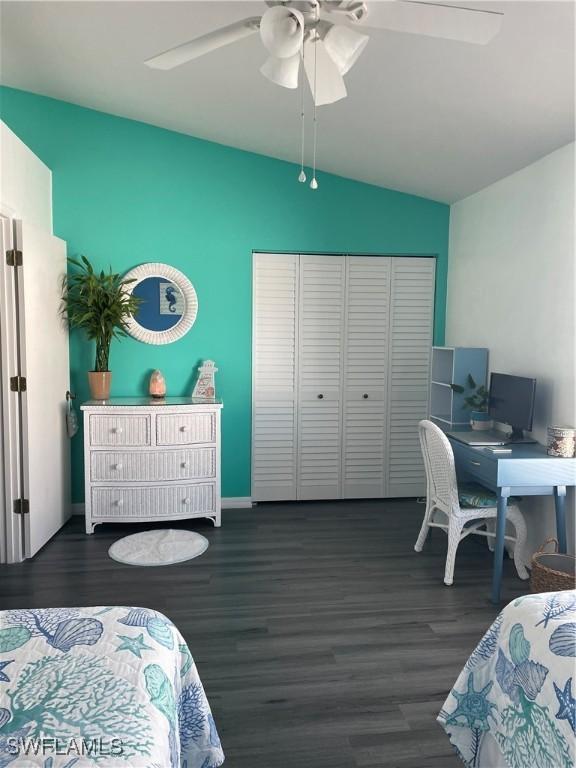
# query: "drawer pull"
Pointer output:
{"type": "Point", "coordinates": [476, 463]}
{"type": "Point", "coordinates": [184, 465]}
{"type": "Point", "coordinates": [186, 501]}
{"type": "Point", "coordinates": [365, 396]}
{"type": "Point", "coordinates": [320, 397]}
{"type": "Point", "coordinates": [117, 430]}
{"type": "Point", "coordinates": [116, 466]}
{"type": "Point", "coordinates": [119, 503]}
{"type": "Point", "coordinates": [183, 428]}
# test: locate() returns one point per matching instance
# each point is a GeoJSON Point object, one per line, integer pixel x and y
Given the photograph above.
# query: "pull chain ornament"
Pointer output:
{"type": "Point", "coordinates": [314, 183]}
{"type": "Point", "coordinates": [302, 175]}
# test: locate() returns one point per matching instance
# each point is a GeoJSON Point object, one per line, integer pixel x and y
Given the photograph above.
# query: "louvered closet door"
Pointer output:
{"type": "Point", "coordinates": [274, 466]}
{"type": "Point", "coordinates": [411, 324]}
{"type": "Point", "coordinates": [321, 347]}
{"type": "Point", "coordinates": [365, 377]}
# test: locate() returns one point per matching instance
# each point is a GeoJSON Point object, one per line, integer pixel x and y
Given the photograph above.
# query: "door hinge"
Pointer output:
{"type": "Point", "coordinates": [14, 258]}
{"type": "Point", "coordinates": [21, 507]}
{"type": "Point", "coordinates": [18, 384]}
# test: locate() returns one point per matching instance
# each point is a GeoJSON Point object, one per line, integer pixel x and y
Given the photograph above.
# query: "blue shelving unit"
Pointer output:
{"type": "Point", "coordinates": [451, 365]}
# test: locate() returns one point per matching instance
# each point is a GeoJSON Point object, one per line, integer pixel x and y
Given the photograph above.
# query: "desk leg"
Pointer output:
{"type": "Point", "coordinates": [560, 504]}
{"type": "Point", "coordinates": [503, 494]}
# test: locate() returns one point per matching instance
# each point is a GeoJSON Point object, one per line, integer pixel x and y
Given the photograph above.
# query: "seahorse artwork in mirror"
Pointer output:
{"type": "Point", "coordinates": [168, 303]}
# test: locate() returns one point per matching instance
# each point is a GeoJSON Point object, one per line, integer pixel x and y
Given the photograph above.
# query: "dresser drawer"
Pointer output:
{"type": "Point", "coordinates": [120, 430]}
{"type": "Point", "coordinates": [475, 463]}
{"type": "Point", "coordinates": [152, 466]}
{"type": "Point", "coordinates": [185, 428]}
{"type": "Point", "coordinates": [153, 502]}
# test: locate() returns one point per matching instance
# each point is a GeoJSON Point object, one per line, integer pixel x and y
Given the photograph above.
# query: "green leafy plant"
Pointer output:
{"type": "Point", "coordinates": [478, 397]}
{"type": "Point", "coordinates": [99, 304]}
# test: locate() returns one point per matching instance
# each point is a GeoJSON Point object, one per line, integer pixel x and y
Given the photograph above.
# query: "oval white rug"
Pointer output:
{"type": "Point", "coordinates": [164, 547]}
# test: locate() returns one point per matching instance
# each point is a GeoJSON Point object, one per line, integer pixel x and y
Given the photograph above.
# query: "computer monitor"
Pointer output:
{"type": "Point", "coordinates": [512, 402]}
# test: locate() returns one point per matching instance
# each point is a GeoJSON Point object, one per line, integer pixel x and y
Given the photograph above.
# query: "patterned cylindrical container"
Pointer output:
{"type": "Point", "coordinates": [562, 442]}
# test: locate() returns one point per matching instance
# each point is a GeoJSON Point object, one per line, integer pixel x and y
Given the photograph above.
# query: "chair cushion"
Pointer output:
{"type": "Point", "coordinates": [475, 496]}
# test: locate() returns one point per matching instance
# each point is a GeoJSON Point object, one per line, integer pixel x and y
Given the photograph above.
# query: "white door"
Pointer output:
{"type": "Point", "coordinates": [11, 527]}
{"type": "Point", "coordinates": [3, 531]}
{"type": "Point", "coordinates": [275, 287]}
{"type": "Point", "coordinates": [411, 327]}
{"type": "Point", "coordinates": [320, 361]}
{"type": "Point", "coordinates": [365, 376]}
{"type": "Point", "coordinates": [341, 358]}
{"type": "Point", "coordinates": [44, 363]}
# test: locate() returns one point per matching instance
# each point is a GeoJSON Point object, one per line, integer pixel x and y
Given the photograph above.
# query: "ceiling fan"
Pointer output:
{"type": "Point", "coordinates": [327, 36]}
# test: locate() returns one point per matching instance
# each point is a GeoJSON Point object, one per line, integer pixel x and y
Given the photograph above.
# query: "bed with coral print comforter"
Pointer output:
{"type": "Point", "coordinates": [105, 686]}
{"type": "Point", "coordinates": [513, 705]}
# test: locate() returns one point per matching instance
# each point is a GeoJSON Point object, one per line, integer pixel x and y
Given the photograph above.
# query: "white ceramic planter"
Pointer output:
{"type": "Point", "coordinates": [480, 420]}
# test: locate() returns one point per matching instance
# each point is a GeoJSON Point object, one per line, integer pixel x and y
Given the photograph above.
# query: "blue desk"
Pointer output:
{"type": "Point", "coordinates": [526, 471]}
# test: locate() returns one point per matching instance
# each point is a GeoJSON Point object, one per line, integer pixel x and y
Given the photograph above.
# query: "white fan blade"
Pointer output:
{"type": "Point", "coordinates": [204, 44]}
{"type": "Point", "coordinates": [329, 85]}
{"type": "Point", "coordinates": [467, 25]}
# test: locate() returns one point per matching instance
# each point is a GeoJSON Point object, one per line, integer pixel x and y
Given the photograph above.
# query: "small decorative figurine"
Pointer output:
{"type": "Point", "coordinates": [205, 388]}
{"type": "Point", "coordinates": [157, 386]}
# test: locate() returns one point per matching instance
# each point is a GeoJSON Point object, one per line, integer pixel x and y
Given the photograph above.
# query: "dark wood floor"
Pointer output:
{"type": "Point", "coordinates": [323, 640]}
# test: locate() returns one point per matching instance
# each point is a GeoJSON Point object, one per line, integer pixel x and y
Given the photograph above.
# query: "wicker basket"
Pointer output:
{"type": "Point", "coordinates": [552, 571]}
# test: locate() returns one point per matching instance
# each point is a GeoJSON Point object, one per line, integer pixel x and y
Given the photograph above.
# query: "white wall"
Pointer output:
{"type": "Point", "coordinates": [25, 182]}
{"type": "Point", "coordinates": [511, 288]}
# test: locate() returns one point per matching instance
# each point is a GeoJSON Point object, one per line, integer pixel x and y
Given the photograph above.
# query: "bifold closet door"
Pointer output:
{"type": "Point", "coordinates": [341, 361]}
{"type": "Point", "coordinates": [365, 376]}
{"type": "Point", "coordinates": [320, 364]}
{"type": "Point", "coordinates": [274, 419]}
{"type": "Point", "coordinates": [410, 348]}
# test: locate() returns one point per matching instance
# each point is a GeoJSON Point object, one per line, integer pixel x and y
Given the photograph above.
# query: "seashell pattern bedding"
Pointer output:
{"type": "Point", "coordinates": [513, 705]}
{"type": "Point", "coordinates": [106, 686]}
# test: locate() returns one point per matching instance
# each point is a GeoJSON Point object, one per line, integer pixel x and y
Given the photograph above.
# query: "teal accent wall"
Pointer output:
{"type": "Point", "coordinates": [126, 192]}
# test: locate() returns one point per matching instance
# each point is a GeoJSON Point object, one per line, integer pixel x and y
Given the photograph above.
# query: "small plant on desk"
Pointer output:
{"type": "Point", "coordinates": [477, 401]}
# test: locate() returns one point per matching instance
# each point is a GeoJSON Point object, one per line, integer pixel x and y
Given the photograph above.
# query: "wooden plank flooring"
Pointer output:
{"type": "Point", "coordinates": [322, 639]}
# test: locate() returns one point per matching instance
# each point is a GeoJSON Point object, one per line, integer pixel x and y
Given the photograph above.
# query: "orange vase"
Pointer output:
{"type": "Point", "coordinates": [100, 382]}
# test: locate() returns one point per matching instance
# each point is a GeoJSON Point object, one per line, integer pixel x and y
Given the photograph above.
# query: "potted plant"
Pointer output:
{"type": "Point", "coordinates": [477, 401]}
{"type": "Point", "coordinates": [99, 304]}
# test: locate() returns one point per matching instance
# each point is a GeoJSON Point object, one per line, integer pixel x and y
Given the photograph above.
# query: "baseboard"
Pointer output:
{"type": "Point", "coordinates": [237, 502]}
{"type": "Point", "coordinates": [230, 502]}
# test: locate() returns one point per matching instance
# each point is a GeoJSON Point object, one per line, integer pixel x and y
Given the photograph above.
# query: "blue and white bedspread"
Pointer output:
{"type": "Point", "coordinates": [101, 687]}
{"type": "Point", "coordinates": [513, 705]}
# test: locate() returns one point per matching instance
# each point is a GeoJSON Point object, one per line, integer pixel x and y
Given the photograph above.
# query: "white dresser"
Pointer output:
{"type": "Point", "coordinates": [149, 460]}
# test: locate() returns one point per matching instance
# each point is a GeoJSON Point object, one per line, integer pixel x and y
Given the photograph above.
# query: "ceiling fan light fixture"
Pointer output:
{"type": "Point", "coordinates": [326, 82]}
{"type": "Point", "coordinates": [344, 46]}
{"type": "Point", "coordinates": [282, 72]}
{"type": "Point", "coordinates": [352, 10]}
{"type": "Point", "coordinates": [282, 31]}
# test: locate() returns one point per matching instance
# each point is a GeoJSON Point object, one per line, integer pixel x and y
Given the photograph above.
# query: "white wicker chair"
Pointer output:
{"type": "Point", "coordinates": [442, 499]}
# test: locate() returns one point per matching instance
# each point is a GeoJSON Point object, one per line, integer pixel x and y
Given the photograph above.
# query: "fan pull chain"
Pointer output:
{"type": "Point", "coordinates": [314, 183]}
{"type": "Point", "coordinates": [302, 176]}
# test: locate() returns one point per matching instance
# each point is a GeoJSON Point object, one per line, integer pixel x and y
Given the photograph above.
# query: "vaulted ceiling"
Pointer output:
{"type": "Point", "coordinates": [431, 117]}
